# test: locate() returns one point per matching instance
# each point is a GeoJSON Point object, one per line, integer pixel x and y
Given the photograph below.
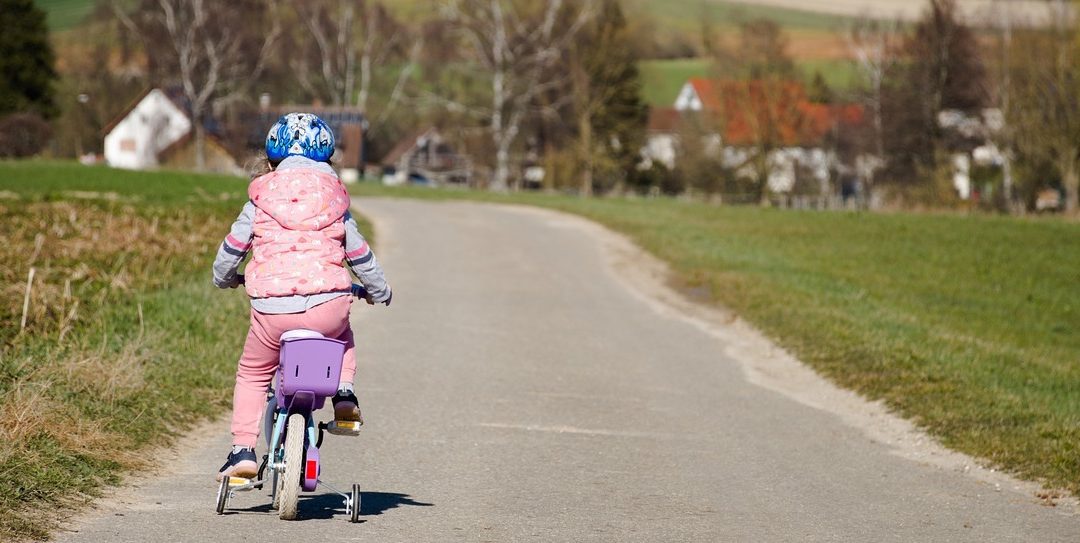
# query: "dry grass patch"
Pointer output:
{"type": "Point", "coordinates": [112, 338]}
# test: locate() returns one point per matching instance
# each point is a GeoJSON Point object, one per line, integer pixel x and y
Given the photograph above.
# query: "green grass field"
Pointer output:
{"type": "Point", "coordinates": [64, 14]}
{"type": "Point", "coordinates": [673, 15]}
{"type": "Point", "coordinates": [969, 325]}
{"type": "Point", "coordinates": [662, 79]}
{"type": "Point", "coordinates": [689, 15]}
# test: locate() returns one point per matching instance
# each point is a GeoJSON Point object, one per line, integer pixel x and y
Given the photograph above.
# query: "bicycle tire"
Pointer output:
{"type": "Point", "coordinates": [289, 485]}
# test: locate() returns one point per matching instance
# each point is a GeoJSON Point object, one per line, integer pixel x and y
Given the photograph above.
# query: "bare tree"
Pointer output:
{"type": "Point", "coordinates": [1044, 109]}
{"type": "Point", "coordinates": [515, 44]}
{"type": "Point", "coordinates": [352, 40]}
{"type": "Point", "coordinates": [606, 88]}
{"type": "Point", "coordinates": [941, 69]}
{"type": "Point", "coordinates": [874, 44]}
{"type": "Point", "coordinates": [214, 50]}
{"type": "Point", "coordinates": [757, 101]}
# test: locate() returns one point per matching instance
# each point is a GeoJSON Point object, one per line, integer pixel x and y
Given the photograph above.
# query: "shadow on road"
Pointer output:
{"type": "Point", "coordinates": [374, 503]}
{"type": "Point", "coordinates": [326, 506]}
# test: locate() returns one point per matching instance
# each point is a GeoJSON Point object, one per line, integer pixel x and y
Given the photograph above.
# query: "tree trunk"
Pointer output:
{"type": "Point", "coordinates": [499, 99]}
{"type": "Point", "coordinates": [1071, 179]}
{"type": "Point", "coordinates": [762, 161]}
{"type": "Point", "coordinates": [200, 142]}
{"type": "Point", "coordinates": [585, 129]}
{"type": "Point", "coordinates": [500, 179]}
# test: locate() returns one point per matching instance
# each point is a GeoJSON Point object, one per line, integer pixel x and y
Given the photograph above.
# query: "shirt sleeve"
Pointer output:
{"type": "Point", "coordinates": [234, 248]}
{"type": "Point", "coordinates": [363, 263]}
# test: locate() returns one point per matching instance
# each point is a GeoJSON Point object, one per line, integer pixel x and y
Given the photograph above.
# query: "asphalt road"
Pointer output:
{"type": "Point", "coordinates": [516, 391]}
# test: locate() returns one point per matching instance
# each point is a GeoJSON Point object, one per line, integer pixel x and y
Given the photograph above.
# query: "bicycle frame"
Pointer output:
{"type": "Point", "coordinates": [308, 373]}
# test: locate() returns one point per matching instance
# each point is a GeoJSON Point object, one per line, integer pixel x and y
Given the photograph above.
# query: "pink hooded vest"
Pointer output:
{"type": "Point", "coordinates": [299, 242]}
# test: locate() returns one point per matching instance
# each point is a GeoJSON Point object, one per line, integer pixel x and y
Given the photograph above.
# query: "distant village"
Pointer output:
{"type": "Point", "coordinates": [156, 132]}
{"type": "Point", "coordinates": [944, 109]}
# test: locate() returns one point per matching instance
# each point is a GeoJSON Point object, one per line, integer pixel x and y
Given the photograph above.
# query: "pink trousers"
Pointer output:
{"type": "Point", "coordinates": [259, 360]}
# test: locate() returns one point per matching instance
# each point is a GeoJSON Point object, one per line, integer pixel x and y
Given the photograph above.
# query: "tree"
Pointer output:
{"type": "Point", "coordinates": [606, 87]}
{"type": "Point", "coordinates": [341, 44]}
{"type": "Point", "coordinates": [214, 50]}
{"type": "Point", "coordinates": [514, 44]}
{"type": "Point", "coordinates": [875, 45]}
{"type": "Point", "coordinates": [26, 60]}
{"type": "Point", "coordinates": [1044, 110]}
{"type": "Point", "coordinates": [759, 103]}
{"type": "Point", "coordinates": [942, 70]}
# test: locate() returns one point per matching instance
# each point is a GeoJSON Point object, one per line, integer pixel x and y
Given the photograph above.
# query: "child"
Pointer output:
{"type": "Point", "coordinates": [298, 229]}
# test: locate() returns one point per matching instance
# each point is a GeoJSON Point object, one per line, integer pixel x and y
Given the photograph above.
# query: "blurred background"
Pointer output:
{"type": "Point", "coordinates": [821, 104]}
{"type": "Point", "coordinates": [694, 127]}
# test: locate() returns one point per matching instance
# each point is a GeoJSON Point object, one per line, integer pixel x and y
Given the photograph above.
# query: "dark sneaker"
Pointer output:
{"type": "Point", "coordinates": [347, 418]}
{"type": "Point", "coordinates": [240, 464]}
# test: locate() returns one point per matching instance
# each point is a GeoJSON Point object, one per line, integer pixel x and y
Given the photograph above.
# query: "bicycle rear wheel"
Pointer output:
{"type": "Point", "coordinates": [289, 482]}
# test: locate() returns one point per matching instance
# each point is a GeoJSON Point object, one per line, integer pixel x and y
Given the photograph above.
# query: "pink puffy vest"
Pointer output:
{"type": "Point", "coordinates": [299, 240]}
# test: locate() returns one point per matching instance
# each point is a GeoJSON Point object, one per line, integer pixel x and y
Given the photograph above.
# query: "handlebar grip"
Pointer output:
{"type": "Point", "coordinates": [359, 291]}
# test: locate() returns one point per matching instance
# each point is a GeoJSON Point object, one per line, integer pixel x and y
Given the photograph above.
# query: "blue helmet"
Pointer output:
{"type": "Point", "coordinates": [300, 134]}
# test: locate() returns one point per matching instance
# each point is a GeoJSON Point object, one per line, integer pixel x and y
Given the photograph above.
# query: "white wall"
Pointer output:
{"type": "Point", "coordinates": [154, 124]}
{"type": "Point", "coordinates": [659, 147]}
{"type": "Point", "coordinates": [688, 99]}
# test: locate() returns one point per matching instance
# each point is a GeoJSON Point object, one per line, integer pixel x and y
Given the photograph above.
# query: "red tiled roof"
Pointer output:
{"type": "Point", "coordinates": [752, 111]}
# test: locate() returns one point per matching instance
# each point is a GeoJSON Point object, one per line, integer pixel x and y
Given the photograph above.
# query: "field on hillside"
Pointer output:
{"type": "Point", "coordinates": [662, 79]}
{"type": "Point", "coordinates": [126, 342]}
{"type": "Point", "coordinates": [688, 16]}
{"type": "Point", "coordinates": [64, 14]}
{"type": "Point", "coordinates": [969, 325]}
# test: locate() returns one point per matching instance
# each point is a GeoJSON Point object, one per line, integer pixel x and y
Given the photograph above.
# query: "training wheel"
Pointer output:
{"type": "Point", "coordinates": [354, 515]}
{"type": "Point", "coordinates": [222, 495]}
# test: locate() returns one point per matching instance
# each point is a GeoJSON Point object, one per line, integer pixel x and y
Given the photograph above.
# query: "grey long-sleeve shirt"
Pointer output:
{"type": "Point", "coordinates": [358, 257]}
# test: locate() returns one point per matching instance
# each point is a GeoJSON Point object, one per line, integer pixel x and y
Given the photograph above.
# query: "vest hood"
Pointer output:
{"type": "Point", "coordinates": [300, 199]}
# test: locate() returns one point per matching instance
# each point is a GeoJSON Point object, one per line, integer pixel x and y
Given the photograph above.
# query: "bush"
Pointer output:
{"type": "Point", "coordinates": [23, 135]}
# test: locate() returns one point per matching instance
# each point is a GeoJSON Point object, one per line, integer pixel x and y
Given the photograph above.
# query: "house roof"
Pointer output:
{"type": "Point", "coordinates": [211, 140]}
{"type": "Point", "coordinates": [664, 119]}
{"type": "Point", "coordinates": [127, 111]}
{"type": "Point", "coordinates": [404, 146]}
{"type": "Point", "coordinates": [176, 96]}
{"type": "Point", "coordinates": [753, 110]}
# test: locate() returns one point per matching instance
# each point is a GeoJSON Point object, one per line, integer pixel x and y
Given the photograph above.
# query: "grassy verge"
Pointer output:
{"type": "Point", "coordinates": [126, 343]}
{"type": "Point", "coordinates": [970, 326]}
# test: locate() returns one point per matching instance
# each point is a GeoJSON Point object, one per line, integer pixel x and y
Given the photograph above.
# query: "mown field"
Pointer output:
{"type": "Point", "coordinates": [968, 325]}
{"type": "Point", "coordinates": [126, 342]}
{"type": "Point", "coordinates": [64, 14]}
{"type": "Point", "coordinates": [662, 79]}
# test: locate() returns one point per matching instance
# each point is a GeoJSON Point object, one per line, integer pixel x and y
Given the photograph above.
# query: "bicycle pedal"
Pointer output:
{"type": "Point", "coordinates": [344, 427]}
{"type": "Point", "coordinates": [238, 481]}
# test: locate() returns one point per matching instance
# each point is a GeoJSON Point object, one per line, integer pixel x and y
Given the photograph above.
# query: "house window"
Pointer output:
{"type": "Point", "coordinates": [127, 145]}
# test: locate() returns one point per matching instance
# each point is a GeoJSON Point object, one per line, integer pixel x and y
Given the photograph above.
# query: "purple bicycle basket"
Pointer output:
{"type": "Point", "coordinates": [311, 365]}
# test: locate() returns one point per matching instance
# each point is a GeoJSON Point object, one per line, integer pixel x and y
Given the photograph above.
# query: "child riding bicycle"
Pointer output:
{"type": "Point", "coordinates": [300, 234]}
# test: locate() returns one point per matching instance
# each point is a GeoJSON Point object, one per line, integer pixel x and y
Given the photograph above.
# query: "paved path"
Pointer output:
{"type": "Point", "coordinates": [516, 392]}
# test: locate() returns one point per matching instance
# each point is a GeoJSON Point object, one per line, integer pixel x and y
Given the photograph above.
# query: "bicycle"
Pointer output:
{"type": "Point", "coordinates": [308, 372]}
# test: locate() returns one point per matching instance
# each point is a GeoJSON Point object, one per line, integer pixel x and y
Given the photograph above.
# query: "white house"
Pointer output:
{"type": "Point", "coordinates": [156, 131]}
{"type": "Point", "coordinates": [802, 156]}
{"type": "Point", "coordinates": [690, 97]}
{"type": "Point", "coordinates": [138, 137]}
